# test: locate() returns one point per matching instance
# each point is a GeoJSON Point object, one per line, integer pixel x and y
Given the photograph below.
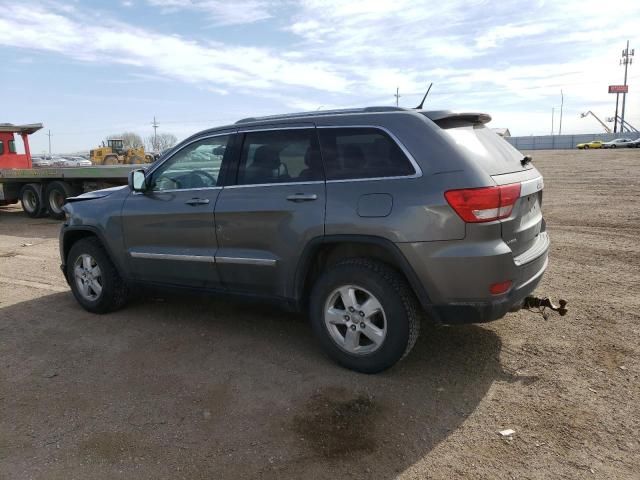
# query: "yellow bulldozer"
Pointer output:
{"type": "Point", "coordinates": [114, 153]}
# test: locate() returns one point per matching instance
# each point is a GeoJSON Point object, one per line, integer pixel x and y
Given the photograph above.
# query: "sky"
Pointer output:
{"type": "Point", "coordinates": [88, 69]}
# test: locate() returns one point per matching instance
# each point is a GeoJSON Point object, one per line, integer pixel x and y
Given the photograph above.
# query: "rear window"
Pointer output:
{"type": "Point", "coordinates": [351, 153]}
{"type": "Point", "coordinates": [486, 148]}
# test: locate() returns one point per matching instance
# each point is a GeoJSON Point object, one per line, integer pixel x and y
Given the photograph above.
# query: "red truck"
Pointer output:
{"type": "Point", "coordinates": [43, 191]}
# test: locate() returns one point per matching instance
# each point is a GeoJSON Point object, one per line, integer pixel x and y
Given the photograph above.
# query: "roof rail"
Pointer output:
{"type": "Point", "coordinates": [324, 112]}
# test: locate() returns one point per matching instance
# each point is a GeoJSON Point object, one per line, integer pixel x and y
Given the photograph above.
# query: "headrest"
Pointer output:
{"type": "Point", "coordinates": [312, 159]}
{"type": "Point", "coordinates": [266, 157]}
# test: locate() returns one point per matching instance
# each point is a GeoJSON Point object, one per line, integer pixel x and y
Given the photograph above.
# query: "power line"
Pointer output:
{"type": "Point", "coordinates": [397, 95]}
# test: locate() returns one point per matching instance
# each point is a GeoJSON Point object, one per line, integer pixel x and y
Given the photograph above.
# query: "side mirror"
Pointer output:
{"type": "Point", "coordinates": [137, 180]}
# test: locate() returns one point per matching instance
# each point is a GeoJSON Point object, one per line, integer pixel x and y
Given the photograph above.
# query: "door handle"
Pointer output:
{"type": "Point", "coordinates": [302, 197]}
{"type": "Point", "coordinates": [197, 201]}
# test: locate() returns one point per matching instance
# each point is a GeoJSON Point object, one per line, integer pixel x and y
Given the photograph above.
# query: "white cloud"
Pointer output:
{"type": "Point", "coordinates": [215, 64]}
{"type": "Point", "coordinates": [220, 11]}
{"type": "Point", "coordinates": [509, 57]}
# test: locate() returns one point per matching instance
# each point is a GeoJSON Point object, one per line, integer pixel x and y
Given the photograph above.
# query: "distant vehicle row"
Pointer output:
{"type": "Point", "coordinates": [617, 143]}
{"type": "Point", "coordinates": [56, 161]}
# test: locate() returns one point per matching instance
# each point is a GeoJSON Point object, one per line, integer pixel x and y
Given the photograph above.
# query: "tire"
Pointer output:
{"type": "Point", "coordinates": [398, 319]}
{"type": "Point", "coordinates": [55, 196]}
{"type": "Point", "coordinates": [111, 160]}
{"type": "Point", "coordinates": [113, 291]}
{"type": "Point", "coordinates": [586, 147]}
{"type": "Point", "coordinates": [32, 201]}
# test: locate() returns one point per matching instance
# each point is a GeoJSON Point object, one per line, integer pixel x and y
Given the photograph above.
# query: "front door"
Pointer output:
{"type": "Point", "coordinates": [275, 206]}
{"type": "Point", "coordinates": [169, 230]}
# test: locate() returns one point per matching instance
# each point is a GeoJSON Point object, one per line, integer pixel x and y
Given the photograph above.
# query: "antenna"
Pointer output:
{"type": "Point", "coordinates": [419, 107]}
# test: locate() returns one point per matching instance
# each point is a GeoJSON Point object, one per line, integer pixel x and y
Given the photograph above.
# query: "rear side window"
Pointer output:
{"type": "Point", "coordinates": [351, 153]}
{"type": "Point", "coordinates": [1, 148]}
{"type": "Point", "coordinates": [12, 146]}
{"type": "Point", "coordinates": [280, 156]}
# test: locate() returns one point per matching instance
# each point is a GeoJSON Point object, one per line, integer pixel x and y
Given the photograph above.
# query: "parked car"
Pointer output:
{"type": "Point", "coordinates": [591, 144]}
{"type": "Point", "coordinates": [618, 143]}
{"type": "Point", "coordinates": [79, 161]}
{"type": "Point", "coordinates": [70, 162]}
{"type": "Point", "coordinates": [366, 219]}
{"type": "Point", "coordinates": [40, 162]}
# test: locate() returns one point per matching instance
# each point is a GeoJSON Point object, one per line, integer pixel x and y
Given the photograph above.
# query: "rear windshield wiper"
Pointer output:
{"type": "Point", "coordinates": [526, 159]}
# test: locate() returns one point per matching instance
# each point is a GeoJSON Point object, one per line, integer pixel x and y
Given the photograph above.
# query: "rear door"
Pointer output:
{"type": "Point", "coordinates": [275, 205]}
{"type": "Point", "coordinates": [524, 229]}
{"type": "Point", "coordinates": [169, 230]}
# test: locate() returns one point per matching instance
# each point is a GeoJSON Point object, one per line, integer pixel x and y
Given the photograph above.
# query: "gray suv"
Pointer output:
{"type": "Point", "coordinates": [366, 219]}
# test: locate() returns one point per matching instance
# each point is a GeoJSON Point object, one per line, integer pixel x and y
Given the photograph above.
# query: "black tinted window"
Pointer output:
{"type": "Point", "coordinates": [280, 156]}
{"type": "Point", "coordinates": [362, 153]}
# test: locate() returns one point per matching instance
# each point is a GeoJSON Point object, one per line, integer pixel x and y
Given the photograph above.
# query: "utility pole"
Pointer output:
{"type": "Point", "coordinates": [397, 95]}
{"type": "Point", "coordinates": [626, 61]}
{"type": "Point", "coordinates": [561, 107]}
{"type": "Point", "coordinates": [553, 111]}
{"type": "Point", "coordinates": [49, 135]}
{"type": "Point", "coordinates": [155, 134]}
{"type": "Point", "coordinates": [615, 118]}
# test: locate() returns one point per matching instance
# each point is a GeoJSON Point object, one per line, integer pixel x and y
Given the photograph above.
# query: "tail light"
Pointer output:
{"type": "Point", "coordinates": [475, 205]}
{"type": "Point", "coordinates": [500, 287]}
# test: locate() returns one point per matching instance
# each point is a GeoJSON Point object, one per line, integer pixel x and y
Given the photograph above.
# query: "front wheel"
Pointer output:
{"type": "Point", "coordinates": [364, 314]}
{"type": "Point", "coordinates": [93, 278]}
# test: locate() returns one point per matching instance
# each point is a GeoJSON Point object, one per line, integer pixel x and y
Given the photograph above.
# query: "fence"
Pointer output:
{"type": "Point", "coordinates": [551, 142]}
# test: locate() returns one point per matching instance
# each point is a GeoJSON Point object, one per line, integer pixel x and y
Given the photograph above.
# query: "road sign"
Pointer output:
{"type": "Point", "coordinates": [618, 88]}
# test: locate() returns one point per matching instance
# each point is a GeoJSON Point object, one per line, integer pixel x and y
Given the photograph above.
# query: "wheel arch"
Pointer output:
{"type": "Point", "coordinates": [72, 235]}
{"type": "Point", "coordinates": [322, 252]}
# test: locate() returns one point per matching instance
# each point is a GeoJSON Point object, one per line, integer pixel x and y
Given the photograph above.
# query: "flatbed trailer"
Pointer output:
{"type": "Point", "coordinates": [43, 191]}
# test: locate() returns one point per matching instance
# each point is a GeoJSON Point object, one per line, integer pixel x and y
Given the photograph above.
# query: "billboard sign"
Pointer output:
{"type": "Point", "coordinates": [618, 88]}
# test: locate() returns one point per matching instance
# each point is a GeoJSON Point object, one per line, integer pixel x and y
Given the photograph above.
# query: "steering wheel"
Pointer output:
{"type": "Point", "coordinates": [213, 179]}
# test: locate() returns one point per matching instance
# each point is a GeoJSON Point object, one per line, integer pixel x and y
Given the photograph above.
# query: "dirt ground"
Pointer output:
{"type": "Point", "coordinates": [190, 387]}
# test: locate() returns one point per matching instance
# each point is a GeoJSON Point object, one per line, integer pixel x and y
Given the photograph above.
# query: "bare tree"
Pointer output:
{"type": "Point", "coordinates": [129, 139]}
{"type": "Point", "coordinates": [160, 142]}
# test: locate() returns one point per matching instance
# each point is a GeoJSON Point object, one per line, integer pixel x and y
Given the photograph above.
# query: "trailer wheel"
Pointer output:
{"type": "Point", "coordinates": [32, 201]}
{"type": "Point", "coordinates": [55, 196]}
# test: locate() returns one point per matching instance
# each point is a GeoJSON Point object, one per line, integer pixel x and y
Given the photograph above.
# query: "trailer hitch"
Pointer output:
{"type": "Point", "coordinates": [540, 304]}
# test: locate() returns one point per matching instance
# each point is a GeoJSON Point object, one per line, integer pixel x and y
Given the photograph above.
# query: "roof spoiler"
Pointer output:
{"type": "Point", "coordinates": [447, 116]}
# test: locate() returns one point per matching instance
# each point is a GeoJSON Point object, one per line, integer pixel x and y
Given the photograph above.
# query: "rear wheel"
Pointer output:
{"type": "Point", "coordinates": [32, 202]}
{"type": "Point", "coordinates": [111, 160]}
{"type": "Point", "coordinates": [55, 196]}
{"type": "Point", "coordinates": [586, 147]}
{"type": "Point", "coordinates": [364, 314]}
{"type": "Point", "coordinates": [93, 278]}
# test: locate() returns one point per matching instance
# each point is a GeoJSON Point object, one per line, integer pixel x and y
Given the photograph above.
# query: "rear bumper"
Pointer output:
{"type": "Point", "coordinates": [457, 277]}
{"type": "Point", "coordinates": [483, 312]}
